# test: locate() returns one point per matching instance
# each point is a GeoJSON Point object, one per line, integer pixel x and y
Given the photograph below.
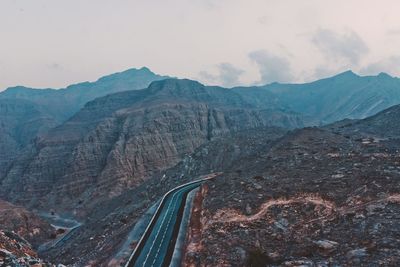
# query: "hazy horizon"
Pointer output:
{"type": "Point", "coordinates": [49, 44]}
{"type": "Point", "coordinates": [205, 83]}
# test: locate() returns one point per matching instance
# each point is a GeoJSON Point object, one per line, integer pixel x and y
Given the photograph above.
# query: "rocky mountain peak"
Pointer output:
{"type": "Point", "coordinates": [175, 86]}
{"type": "Point", "coordinates": [348, 73]}
{"type": "Point", "coordinates": [384, 75]}
{"type": "Point", "coordinates": [130, 74]}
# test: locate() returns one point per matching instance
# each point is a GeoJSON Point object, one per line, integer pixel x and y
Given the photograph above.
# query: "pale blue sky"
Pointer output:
{"type": "Point", "coordinates": [53, 43]}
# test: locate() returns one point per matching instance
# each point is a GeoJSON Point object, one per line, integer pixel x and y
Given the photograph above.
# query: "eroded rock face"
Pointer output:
{"type": "Point", "coordinates": [119, 141]}
{"type": "Point", "coordinates": [316, 197]}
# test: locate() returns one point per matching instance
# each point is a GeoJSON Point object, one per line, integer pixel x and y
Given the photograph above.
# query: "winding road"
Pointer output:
{"type": "Point", "coordinates": [157, 244]}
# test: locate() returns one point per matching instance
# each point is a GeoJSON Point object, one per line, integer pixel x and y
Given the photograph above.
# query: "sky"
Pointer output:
{"type": "Point", "coordinates": [54, 43]}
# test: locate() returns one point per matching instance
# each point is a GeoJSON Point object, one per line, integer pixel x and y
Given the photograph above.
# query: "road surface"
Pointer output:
{"type": "Point", "coordinates": [157, 244]}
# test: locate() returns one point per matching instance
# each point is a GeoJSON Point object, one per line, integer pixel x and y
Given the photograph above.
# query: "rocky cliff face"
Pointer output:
{"type": "Point", "coordinates": [119, 141]}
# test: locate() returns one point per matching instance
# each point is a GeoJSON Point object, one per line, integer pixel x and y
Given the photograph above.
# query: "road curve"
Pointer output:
{"type": "Point", "coordinates": [157, 244]}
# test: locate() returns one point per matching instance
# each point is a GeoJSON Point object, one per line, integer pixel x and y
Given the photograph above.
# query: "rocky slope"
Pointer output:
{"type": "Point", "coordinates": [384, 126]}
{"type": "Point", "coordinates": [24, 223]}
{"type": "Point", "coordinates": [16, 251]}
{"type": "Point", "coordinates": [118, 141]}
{"type": "Point", "coordinates": [21, 232]}
{"type": "Point", "coordinates": [315, 197]}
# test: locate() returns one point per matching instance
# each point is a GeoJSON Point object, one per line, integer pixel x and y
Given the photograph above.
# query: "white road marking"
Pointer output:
{"type": "Point", "coordinates": [142, 239]}
{"type": "Point", "coordinates": [159, 230]}
{"type": "Point", "coordinates": [164, 234]}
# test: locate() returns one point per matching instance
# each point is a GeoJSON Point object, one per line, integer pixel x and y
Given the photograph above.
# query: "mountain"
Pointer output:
{"type": "Point", "coordinates": [63, 103]}
{"type": "Point", "coordinates": [120, 140]}
{"type": "Point", "coordinates": [26, 113]}
{"type": "Point", "coordinates": [345, 95]}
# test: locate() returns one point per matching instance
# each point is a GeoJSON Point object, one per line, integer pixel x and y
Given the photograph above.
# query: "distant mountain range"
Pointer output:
{"type": "Point", "coordinates": [63, 103]}
{"type": "Point", "coordinates": [346, 95]}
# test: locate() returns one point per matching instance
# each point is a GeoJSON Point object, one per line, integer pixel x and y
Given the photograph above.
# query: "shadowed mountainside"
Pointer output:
{"type": "Point", "coordinates": [20, 121]}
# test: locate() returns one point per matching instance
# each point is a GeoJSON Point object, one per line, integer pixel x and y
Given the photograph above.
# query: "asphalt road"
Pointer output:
{"type": "Point", "coordinates": [158, 242]}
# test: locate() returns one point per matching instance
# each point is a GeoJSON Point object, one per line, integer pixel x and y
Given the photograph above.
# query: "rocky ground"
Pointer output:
{"type": "Point", "coordinates": [24, 223]}
{"type": "Point", "coordinates": [316, 197]}
{"type": "Point", "coordinates": [21, 232]}
{"type": "Point", "coordinates": [17, 252]}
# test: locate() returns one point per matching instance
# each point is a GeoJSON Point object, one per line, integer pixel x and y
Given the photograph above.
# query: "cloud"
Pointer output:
{"type": "Point", "coordinates": [272, 68]}
{"type": "Point", "coordinates": [323, 72]}
{"type": "Point", "coordinates": [393, 32]}
{"type": "Point", "coordinates": [211, 4]}
{"type": "Point", "coordinates": [208, 77]}
{"type": "Point", "coordinates": [263, 20]}
{"type": "Point", "coordinates": [389, 65]}
{"type": "Point", "coordinates": [347, 47]}
{"type": "Point", "coordinates": [55, 66]}
{"type": "Point", "coordinates": [227, 75]}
